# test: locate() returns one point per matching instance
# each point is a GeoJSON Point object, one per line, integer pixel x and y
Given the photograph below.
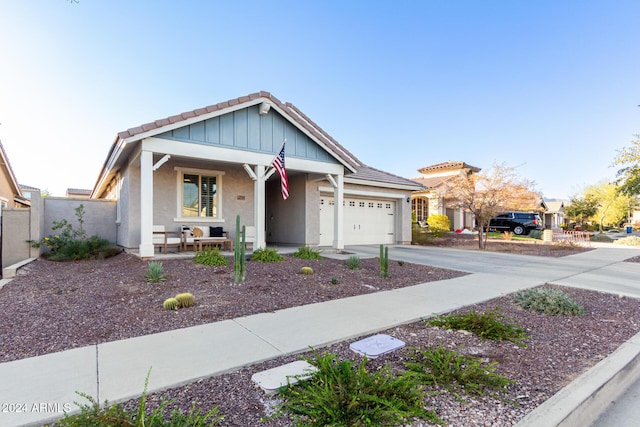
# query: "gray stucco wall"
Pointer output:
{"type": "Point", "coordinates": [236, 190]}
{"type": "Point", "coordinates": [99, 217]}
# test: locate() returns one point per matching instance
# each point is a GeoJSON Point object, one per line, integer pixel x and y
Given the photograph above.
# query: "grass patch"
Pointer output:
{"type": "Point", "coordinates": [549, 301]}
{"type": "Point", "coordinates": [342, 393]}
{"type": "Point", "coordinates": [491, 324]}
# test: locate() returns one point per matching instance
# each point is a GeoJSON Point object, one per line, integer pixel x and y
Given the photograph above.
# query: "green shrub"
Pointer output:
{"type": "Point", "coordinates": [550, 301]}
{"type": "Point", "coordinates": [94, 415]}
{"type": "Point", "coordinates": [343, 394]}
{"type": "Point", "coordinates": [628, 241]}
{"type": "Point", "coordinates": [185, 300]}
{"type": "Point", "coordinates": [71, 244]}
{"type": "Point", "coordinates": [536, 234]}
{"type": "Point", "coordinates": [211, 256]}
{"type": "Point", "coordinates": [490, 325]}
{"type": "Point", "coordinates": [439, 224]}
{"type": "Point", "coordinates": [266, 255]}
{"type": "Point", "coordinates": [306, 270]}
{"type": "Point", "coordinates": [446, 368]}
{"type": "Point", "coordinates": [155, 272]}
{"type": "Point", "coordinates": [334, 280]}
{"type": "Point", "coordinates": [306, 252]}
{"type": "Point", "coordinates": [353, 262]}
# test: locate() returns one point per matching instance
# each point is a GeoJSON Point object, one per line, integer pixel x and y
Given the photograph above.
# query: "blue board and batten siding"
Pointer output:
{"type": "Point", "coordinates": [247, 130]}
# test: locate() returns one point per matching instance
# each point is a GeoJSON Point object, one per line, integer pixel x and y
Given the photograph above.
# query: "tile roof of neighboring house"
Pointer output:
{"type": "Point", "coordinates": [433, 182]}
{"type": "Point", "coordinates": [448, 165]}
{"type": "Point", "coordinates": [360, 170]}
{"type": "Point", "coordinates": [81, 191]}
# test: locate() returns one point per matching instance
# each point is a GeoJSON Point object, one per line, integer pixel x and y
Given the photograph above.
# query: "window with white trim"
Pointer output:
{"type": "Point", "coordinates": [199, 193]}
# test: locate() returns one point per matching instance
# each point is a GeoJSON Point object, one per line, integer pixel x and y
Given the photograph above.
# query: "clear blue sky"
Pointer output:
{"type": "Point", "coordinates": [550, 87]}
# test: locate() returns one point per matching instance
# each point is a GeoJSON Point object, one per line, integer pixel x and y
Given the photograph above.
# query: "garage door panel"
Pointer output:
{"type": "Point", "coordinates": [366, 221]}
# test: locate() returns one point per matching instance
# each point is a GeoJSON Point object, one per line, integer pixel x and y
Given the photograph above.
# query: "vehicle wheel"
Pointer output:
{"type": "Point", "coordinates": [518, 229]}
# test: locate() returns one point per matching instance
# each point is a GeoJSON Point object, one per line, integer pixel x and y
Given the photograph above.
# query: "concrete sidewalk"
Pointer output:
{"type": "Point", "coordinates": [41, 388]}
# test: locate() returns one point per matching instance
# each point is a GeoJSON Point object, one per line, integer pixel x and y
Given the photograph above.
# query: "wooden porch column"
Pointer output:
{"type": "Point", "coordinates": [259, 206]}
{"type": "Point", "coordinates": [338, 213]}
{"type": "Point", "coordinates": [146, 204]}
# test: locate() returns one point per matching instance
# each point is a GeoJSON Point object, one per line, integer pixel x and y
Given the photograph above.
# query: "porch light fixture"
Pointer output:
{"type": "Point", "coordinates": [409, 199]}
{"type": "Point", "coordinates": [332, 181]}
{"type": "Point", "coordinates": [250, 172]}
{"type": "Point", "coordinates": [161, 162]}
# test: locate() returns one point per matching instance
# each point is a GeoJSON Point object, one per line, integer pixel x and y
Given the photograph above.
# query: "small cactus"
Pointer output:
{"type": "Point", "coordinates": [185, 300]}
{"type": "Point", "coordinates": [170, 304]}
{"type": "Point", "coordinates": [306, 270]}
{"type": "Point", "coordinates": [334, 280]}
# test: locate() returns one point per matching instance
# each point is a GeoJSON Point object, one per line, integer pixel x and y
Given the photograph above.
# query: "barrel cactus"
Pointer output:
{"type": "Point", "coordinates": [306, 270]}
{"type": "Point", "coordinates": [170, 304]}
{"type": "Point", "coordinates": [185, 300]}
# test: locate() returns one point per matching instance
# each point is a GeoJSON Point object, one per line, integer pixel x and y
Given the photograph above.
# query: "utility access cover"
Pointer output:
{"type": "Point", "coordinates": [376, 345]}
{"type": "Point", "coordinates": [272, 379]}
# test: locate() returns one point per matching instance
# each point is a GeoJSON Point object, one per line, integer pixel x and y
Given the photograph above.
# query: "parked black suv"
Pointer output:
{"type": "Point", "coordinates": [518, 222]}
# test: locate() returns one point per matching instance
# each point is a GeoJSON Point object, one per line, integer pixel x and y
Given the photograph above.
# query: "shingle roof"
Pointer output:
{"type": "Point", "coordinates": [448, 165]}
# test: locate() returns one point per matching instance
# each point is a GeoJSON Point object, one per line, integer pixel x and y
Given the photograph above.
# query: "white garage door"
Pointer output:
{"type": "Point", "coordinates": [366, 221]}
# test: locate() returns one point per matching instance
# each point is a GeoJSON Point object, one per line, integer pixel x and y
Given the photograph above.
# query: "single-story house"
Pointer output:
{"type": "Point", "coordinates": [432, 198]}
{"type": "Point", "coordinates": [204, 167]}
{"type": "Point", "coordinates": [553, 214]}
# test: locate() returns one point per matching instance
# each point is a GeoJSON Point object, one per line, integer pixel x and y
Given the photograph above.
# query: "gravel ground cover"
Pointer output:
{"type": "Point", "coordinates": [52, 307]}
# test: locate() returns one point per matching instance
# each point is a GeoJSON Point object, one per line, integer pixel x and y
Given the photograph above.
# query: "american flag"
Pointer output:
{"type": "Point", "coordinates": [278, 164]}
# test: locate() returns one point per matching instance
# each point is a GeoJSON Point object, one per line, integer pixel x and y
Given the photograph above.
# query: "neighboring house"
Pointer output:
{"type": "Point", "coordinates": [206, 166]}
{"type": "Point", "coordinates": [432, 199]}
{"type": "Point", "coordinates": [28, 191]}
{"type": "Point", "coordinates": [553, 213]}
{"type": "Point", "coordinates": [78, 193]}
{"type": "Point", "coordinates": [10, 192]}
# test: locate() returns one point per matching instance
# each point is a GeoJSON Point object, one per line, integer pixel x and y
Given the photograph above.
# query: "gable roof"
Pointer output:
{"type": "Point", "coordinates": [11, 177]}
{"type": "Point", "coordinates": [287, 110]}
{"type": "Point", "coordinates": [450, 165]}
